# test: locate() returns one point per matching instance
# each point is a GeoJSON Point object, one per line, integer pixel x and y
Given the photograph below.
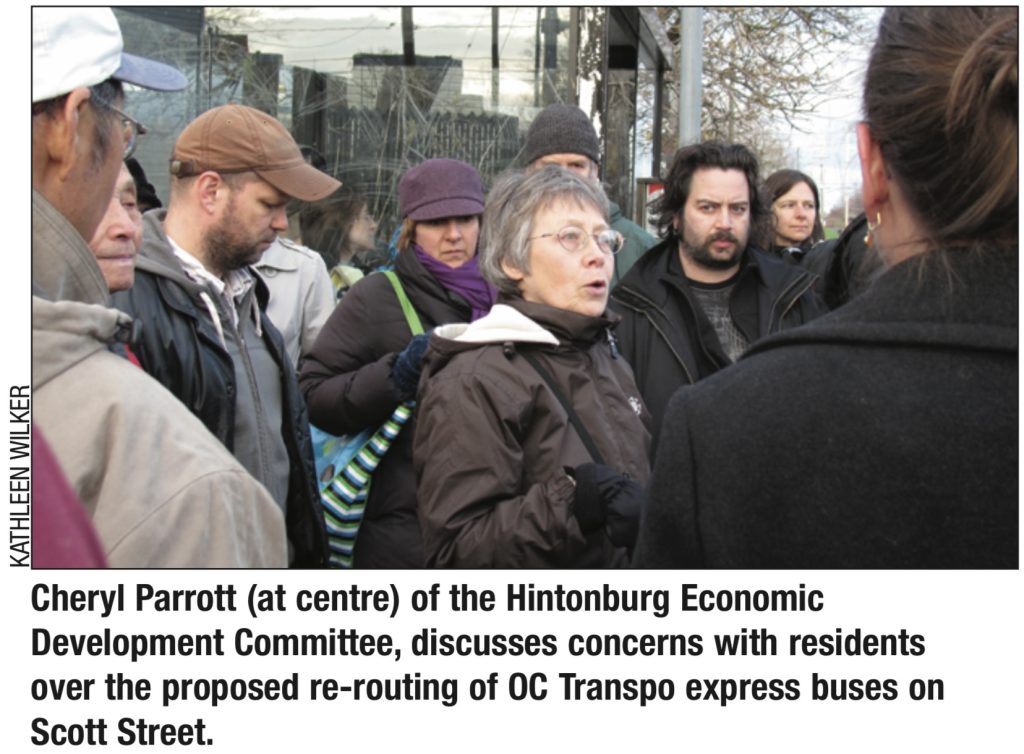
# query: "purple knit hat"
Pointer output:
{"type": "Point", "coordinates": [440, 188]}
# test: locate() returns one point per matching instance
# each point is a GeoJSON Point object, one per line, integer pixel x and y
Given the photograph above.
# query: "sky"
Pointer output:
{"type": "Point", "coordinates": [827, 147]}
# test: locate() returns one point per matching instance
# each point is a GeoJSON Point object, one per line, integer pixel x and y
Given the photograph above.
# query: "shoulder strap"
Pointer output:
{"type": "Point", "coordinates": [574, 419]}
{"type": "Point", "coordinates": [410, 314]}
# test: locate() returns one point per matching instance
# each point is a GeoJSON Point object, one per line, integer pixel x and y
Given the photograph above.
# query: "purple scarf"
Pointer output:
{"type": "Point", "coordinates": [466, 281]}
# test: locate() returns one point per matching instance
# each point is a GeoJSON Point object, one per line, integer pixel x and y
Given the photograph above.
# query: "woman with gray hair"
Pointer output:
{"type": "Point", "coordinates": [531, 445]}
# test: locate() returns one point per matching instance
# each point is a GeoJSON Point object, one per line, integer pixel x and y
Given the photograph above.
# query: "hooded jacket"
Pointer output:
{"type": "Point", "coordinates": [900, 452]}
{"type": "Point", "coordinates": [184, 350]}
{"type": "Point", "coordinates": [493, 442]}
{"type": "Point", "coordinates": [636, 241]}
{"type": "Point", "coordinates": [668, 339]}
{"type": "Point", "coordinates": [346, 378]}
{"type": "Point", "coordinates": [160, 489]}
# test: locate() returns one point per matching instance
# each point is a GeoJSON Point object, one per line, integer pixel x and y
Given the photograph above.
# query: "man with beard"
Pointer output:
{"type": "Point", "coordinates": [205, 333]}
{"type": "Point", "coordinates": [695, 302]}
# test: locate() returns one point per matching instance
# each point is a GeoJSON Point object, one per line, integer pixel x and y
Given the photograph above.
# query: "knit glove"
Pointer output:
{"type": "Point", "coordinates": [606, 498]}
{"type": "Point", "coordinates": [405, 372]}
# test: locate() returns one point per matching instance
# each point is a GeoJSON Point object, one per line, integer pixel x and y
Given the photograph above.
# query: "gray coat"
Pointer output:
{"type": "Point", "coordinates": [160, 489]}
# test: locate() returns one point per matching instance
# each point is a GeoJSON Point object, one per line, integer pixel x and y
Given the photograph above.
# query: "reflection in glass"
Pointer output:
{"type": "Point", "coordinates": [377, 90]}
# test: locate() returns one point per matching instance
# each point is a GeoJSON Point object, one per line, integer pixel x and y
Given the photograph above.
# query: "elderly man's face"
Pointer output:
{"type": "Point", "coordinates": [91, 180]}
{"type": "Point", "coordinates": [116, 241]}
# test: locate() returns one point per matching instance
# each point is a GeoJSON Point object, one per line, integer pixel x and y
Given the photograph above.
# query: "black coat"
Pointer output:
{"type": "Point", "coordinates": [845, 266]}
{"type": "Point", "coordinates": [180, 348]}
{"type": "Point", "coordinates": [346, 379]}
{"type": "Point", "coordinates": [882, 435]}
{"type": "Point", "coordinates": [669, 341]}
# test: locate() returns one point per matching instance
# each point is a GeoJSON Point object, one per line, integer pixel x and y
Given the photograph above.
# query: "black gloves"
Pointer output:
{"type": "Point", "coordinates": [405, 372]}
{"type": "Point", "coordinates": [604, 497]}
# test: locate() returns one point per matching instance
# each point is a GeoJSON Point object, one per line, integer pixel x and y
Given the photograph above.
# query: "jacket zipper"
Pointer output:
{"type": "Point", "coordinates": [808, 281]}
{"type": "Point", "coordinates": [262, 430]}
{"type": "Point", "coordinates": [655, 325]}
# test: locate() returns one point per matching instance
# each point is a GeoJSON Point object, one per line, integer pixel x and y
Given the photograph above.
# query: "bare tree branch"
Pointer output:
{"type": "Point", "coordinates": [765, 66]}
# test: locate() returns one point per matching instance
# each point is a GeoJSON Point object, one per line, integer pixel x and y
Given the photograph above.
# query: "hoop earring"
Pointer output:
{"type": "Point", "coordinates": [868, 240]}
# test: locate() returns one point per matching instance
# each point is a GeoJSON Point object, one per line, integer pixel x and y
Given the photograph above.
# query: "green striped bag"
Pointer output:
{"type": "Point", "coordinates": [343, 497]}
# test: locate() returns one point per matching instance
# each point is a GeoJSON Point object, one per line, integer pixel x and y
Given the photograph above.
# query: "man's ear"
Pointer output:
{"type": "Point", "coordinates": [64, 143]}
{"type": "Point", "coordinates": [513, 272]}
{"type": "Point", "coordinates": [211, 190]}
{"type": "Point", "coordinates": [873, 171]}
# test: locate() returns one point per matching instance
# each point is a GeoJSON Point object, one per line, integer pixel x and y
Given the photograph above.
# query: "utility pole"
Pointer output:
{"type": "Point", "coordinates": [691, 64]}
{"type": "Point", "coordinates": [408, 38]}
{"type": "Point", "coordinates": [495, 61]}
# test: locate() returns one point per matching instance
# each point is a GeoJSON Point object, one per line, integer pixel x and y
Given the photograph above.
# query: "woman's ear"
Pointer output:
{"type": "Point", "coordinates": [873, 172]}
{"type": "Point", "coordinates": [511, 271]}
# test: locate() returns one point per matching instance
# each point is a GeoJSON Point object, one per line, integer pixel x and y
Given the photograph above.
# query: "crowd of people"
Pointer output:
{"type": "Point", "coordinates": [736, 391]}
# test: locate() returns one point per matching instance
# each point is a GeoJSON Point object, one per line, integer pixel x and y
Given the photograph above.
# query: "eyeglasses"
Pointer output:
{"type": "Point", "coordinates": [132, 129]}
{"type": "Point", "coordinates": [575, 239]}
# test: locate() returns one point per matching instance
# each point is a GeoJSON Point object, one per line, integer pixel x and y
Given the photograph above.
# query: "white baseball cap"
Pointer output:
{"type": "Point", "coordinates": [73, 47]}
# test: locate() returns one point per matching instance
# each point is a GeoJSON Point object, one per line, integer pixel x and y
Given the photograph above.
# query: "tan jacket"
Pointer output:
{"type": "Point", "coordinates": [161, 490]}
{"type": "Point", "coordinates": [492, 441]}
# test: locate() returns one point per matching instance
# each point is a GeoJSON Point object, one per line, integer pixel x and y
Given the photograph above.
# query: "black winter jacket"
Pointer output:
{"type": "Point", "coordinates": [346, 378]}
{"type": "Point", "coordinates": [181, 349]}
{"type": "Point", "coordinates": [901, 450]}
{"type": "Point", "coordinates": [668, 339]}
{"type": "Point", "coordinates": [845, 266]}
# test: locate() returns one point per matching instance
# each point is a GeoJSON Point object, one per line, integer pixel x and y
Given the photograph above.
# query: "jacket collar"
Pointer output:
{"type": "Point", "coordinates": [959, 298]}
{"type": "Point", "coordinates": [157, 258]}
{"type": "Point", "coordinates": [65, 333]}
{"type": "Point", "coordinates": [503, 324]}
{"type": "Point", "coordinates": [513, 320]}
{"type": "Point", "coordinates": [427, 294]}
{"type": "Point", "coordinates": [63, 266]}
{"type": "Point", "coordinates": [569, 327]}
{"type": "Point", "coordinates": [280, 255]}
{"type": "Point", "coordinates": [517, 321]}
{"type": "Point", "coordinates": [659, 271]}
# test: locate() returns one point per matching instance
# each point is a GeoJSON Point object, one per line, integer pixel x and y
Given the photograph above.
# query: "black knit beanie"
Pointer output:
{"type": "Point", "coordinates": [561, 129]}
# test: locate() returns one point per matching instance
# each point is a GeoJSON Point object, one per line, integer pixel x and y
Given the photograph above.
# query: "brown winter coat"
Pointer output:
{"type": "Point", "coordinates": [492, 441]}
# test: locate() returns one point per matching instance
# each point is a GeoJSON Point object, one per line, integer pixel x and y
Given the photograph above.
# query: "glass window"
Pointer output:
{"type": "Point", "coordinates": [377, 90]}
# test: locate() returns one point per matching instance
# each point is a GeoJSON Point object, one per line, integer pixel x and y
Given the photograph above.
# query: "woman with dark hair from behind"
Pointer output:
{"type": "Point", "coordinates": [794, 224]}
{"type": "Point", "coordinates": [901, 449]}
{"type": "Point", "coordinates": [341, 228]}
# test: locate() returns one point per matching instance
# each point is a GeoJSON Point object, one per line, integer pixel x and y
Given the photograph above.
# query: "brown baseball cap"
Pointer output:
{"type": "Point", "coordinates": [237, 139]}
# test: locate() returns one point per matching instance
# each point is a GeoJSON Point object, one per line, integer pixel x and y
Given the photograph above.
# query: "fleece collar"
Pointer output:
{"type": "Point", "coordinates": [502, 324]}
